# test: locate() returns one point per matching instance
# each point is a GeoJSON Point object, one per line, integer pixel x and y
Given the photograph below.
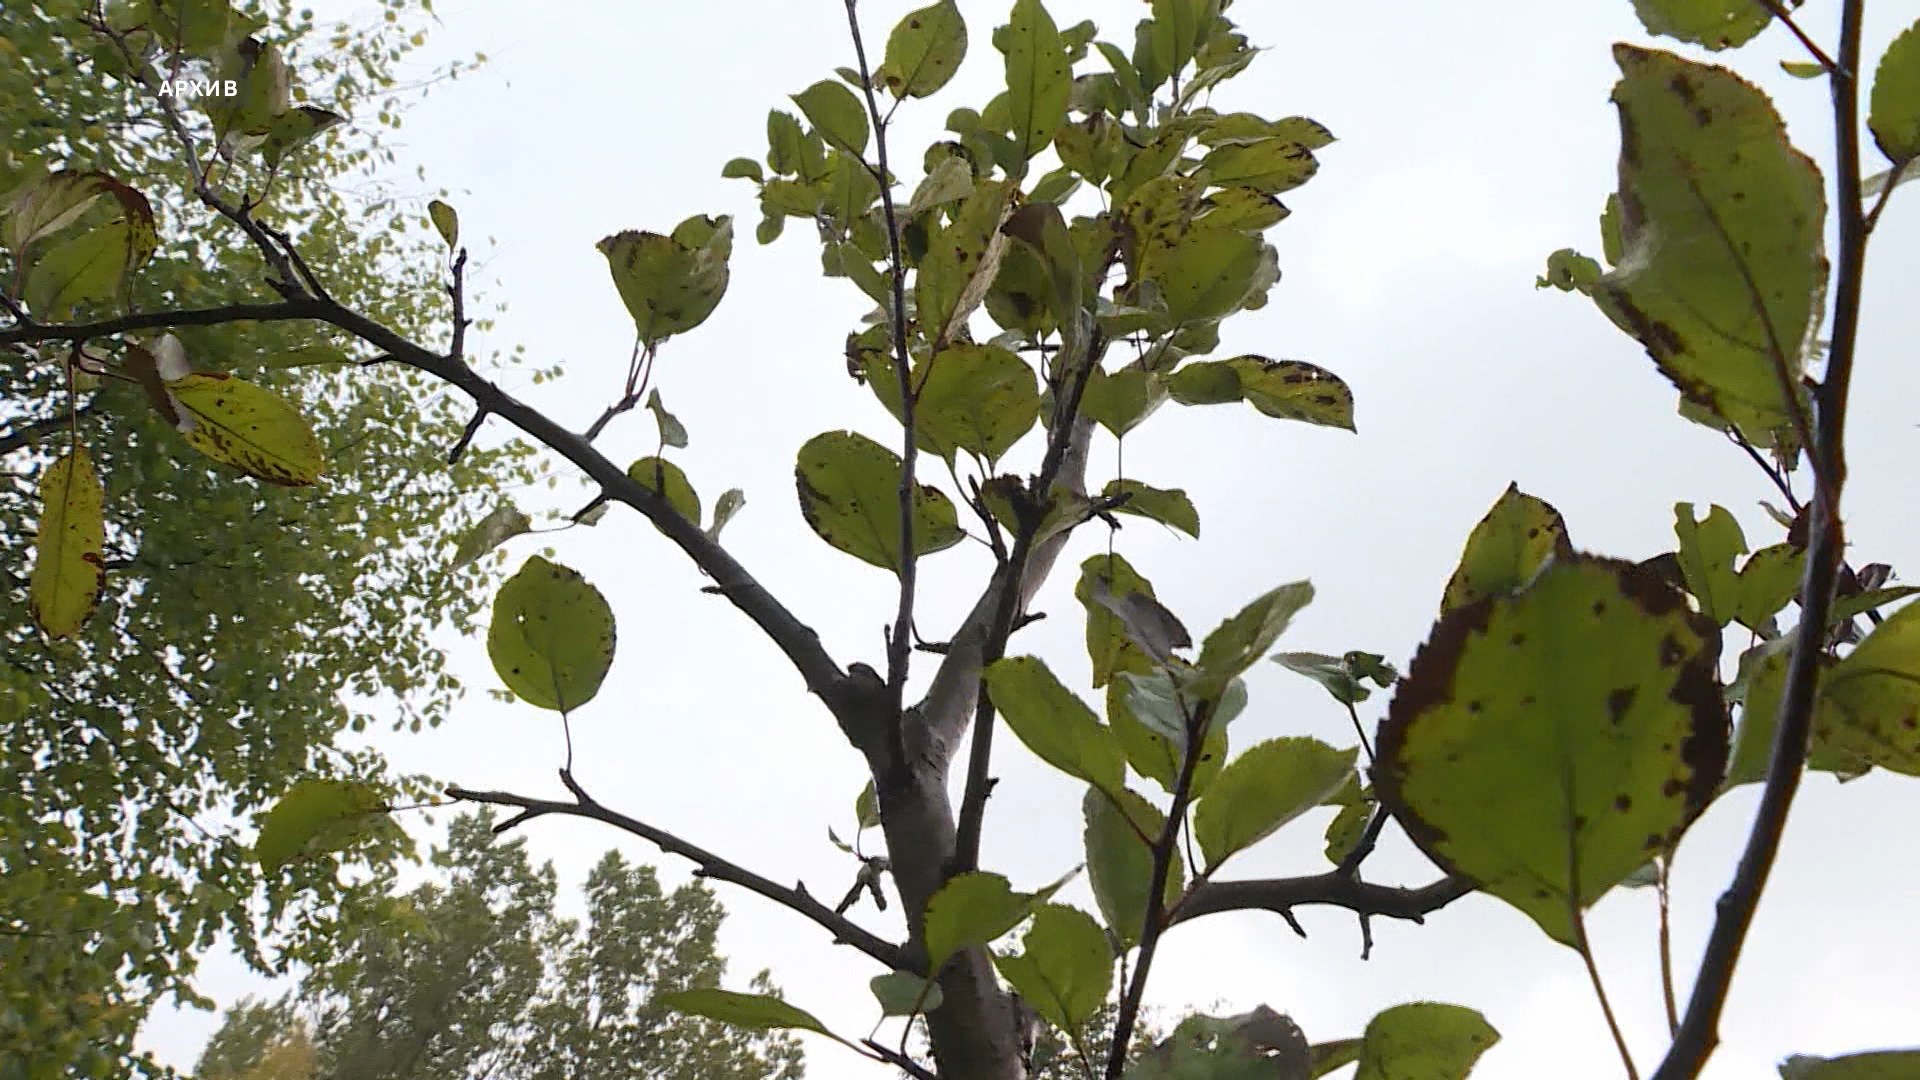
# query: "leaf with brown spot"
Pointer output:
{"type": "Point", "coordinates": [1722, 273]}
{"type": "Point", "coordinates": [1509, 545]}
{"type": "Point", "coordinates": [1527, 716]}
{"type": "Point", "coordinates": [551, 639]}
{"type": "Point", "coordinates": [68, 544]}
{"type": "Point", "coordinates": [850, 495]}
{"type": "Point", "coordinates": [250, 428]}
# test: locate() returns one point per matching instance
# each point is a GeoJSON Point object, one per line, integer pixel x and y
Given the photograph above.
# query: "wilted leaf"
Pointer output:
{"type": "Point", "coordinates": [502, 523]}
{"type": "Point", "coordinates": [670, 284]}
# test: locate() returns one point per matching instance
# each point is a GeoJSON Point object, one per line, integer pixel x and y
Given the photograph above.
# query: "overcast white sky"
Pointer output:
{"type": "Point", "coordinates": [1474, 139]}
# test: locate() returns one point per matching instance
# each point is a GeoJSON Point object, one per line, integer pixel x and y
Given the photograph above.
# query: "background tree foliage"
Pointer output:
{"type": "Point", "coordinates": [243, 627]}
{"type": "Point", "coordinates": [479, 977]}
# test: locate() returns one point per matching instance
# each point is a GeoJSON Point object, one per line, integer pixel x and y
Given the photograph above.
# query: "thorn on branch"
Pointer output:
{"type": "Point", "coordinates": [1028, 619]}
{"type": "Point", "coordinates": [1287, 914]}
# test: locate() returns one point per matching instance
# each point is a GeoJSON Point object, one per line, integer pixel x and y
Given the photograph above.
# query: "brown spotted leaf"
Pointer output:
{"type": "Point", "coordinates": [1545, 742]}
{"type": "Point", "coordinates": [1722, 271]}
{"type": "Point", "coordinates": [67, 566]}
{"type": "Point", "coordinates": [248, 427]}
{"type": "Point", "coordinates": [1509, 545]}
{"type": "Point", "coordinates": [551, 639]}
{"type": "Point", "coordinates": [850, 495]}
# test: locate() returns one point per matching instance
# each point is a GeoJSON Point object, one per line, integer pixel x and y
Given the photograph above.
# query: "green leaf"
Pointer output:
{"type": "Point", "coordinates": [1343, 676]}
{"type": "Point", "coordinates": [1044, 233]}
{"type": "Point", "coordinates": [1237, 643]}
{"type": "Point", "coordinates": [317, 817]}
{"type": "Point", "coordinates": [836, 113]}
{"type": "Point", "coordinates": [1259, 1045]}
{"type": "Point", "coordinates": [1804, 69]}
{"type": "Point", "coordinates": [1120, 862]}
{"type": "Point", "coordinates": [1268, 166]}
{"type": "Point", "coordinates": [1346, 829]}
{"type": "Point", "coordinates": [502, 523]}
{"type": "Point", "coordinates": [961, 260]}
{"type": "Point", "coordinates": [1768, 581]}
{"type": "Point", "coordinates": [250, 428]}
{"type": "Point", "coordinates": [973, 910]}
{"type": "Point", "coordinates": [1874, 1065]}
{"type": "Point", "coordinates": [978, 398]}
{"type": "Point", "coordinates": [1152, 750]}
{"type": "Point", "coordinates": [672, 432]}
{"type": "Point", "coordinates": [924, 50]}
{"type": "Point", "coordinates": [1244, 209]}
{"type": "Point", "coordinates": [1205, 382]}
{"type": "Point", "coordinates": [1208, 273]}
{"type": "Point", "coordinates": [80, 270]}
{"type": "Point", "coordinates": [754, 1012]}
{"type": "Point", "coordinates": [951, 179]}
{"type": "Point", "coordinates": [1121, 400]}
{"type": "Point", "coordinates": [1507, 548]}
{"type": "Point", "coordinates": [849, 493]}
{"type": "Point", "coordinates": [1108, 645]}
{"type": "Point", "coordinates": [1874, 696]}
{"type": "Point", "coordinates": [1707, 551]}
{"type": "Point", "coordinates": [1329, 1056]}
{"type": "Point", "coordinates": [742, 168]}
{"type": "Point", "coordinates": [1039, 77]}
{"type": "Point", "coordinates": [69, 545]}
{"type": "Point", "coordinates": [866, 808]}
{"type": "Point", "coordinates": [1169, 506]}
{"type": "Point", "coordinates": [727, 505]}
{"type": "Point", "coordinates": [663, 477]}
{"type": "Point", "coordinates": [295, 128]}
{"type": "Point", "coordinates": [1763, 675]}
{"type": "Point", "coordinates": [1053, 722]}
{"type": "Point", "coordinates": [1545, 743]}
{"type": "Point", "coordinates": [1729, 318]}
{"type": "Point", "coordinates": [670, 284]}
{"type": "Point", "coordinates": [551, 638]}
{"type": "Point", "coordinates": [1294, 390]}
{"type": "Point", "coordinates": [446, 222]}
{"type": "Point", "coordinates": [196, 27]}
{"type": "Point", "coordinates": [1066, 970]}
{"type": "Point", "coordinates": [902, 993]}
{"type": "Point", "coordinates": [1425, 1039]}
{"type": "Point", "coordinates": [1894, 113]}
{"type": "Point", "coordinates": [1717, 24]}
{"type": "Point", "coordinates": [1265, 787]}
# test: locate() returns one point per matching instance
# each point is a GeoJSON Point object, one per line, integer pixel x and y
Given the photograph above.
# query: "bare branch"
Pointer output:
{"type": "Point", "coordinates": [1698, 1033]}
{"type": "Point", "coordinates": [844, 930]}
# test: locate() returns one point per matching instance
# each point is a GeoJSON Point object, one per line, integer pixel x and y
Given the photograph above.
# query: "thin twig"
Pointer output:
{"type": "Point", "coordinates": [1780, 12]}
{"type": "Point", "coordinates": [844, 930]}
{"type": "Point", "coordinates": [1699, 1027]}
{"type": "Point", "coordinates": [1155, 923]}
{"type": "Point", "coordinates": [899, 644]}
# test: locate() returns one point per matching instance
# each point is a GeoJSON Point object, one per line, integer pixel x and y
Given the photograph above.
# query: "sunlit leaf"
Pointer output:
{"type": "Point", "coordinates": [250, 428]}
{"type": "Point", "coordinates": [1508, 546]}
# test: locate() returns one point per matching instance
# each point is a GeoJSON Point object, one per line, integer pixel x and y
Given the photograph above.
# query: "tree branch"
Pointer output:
{"type": "Point", "coordinates": [1698, 1034]}
{"type": "Point", "coordinates": [1331, 889]}
{"type": "Point", "coordinates": [844, 930]}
